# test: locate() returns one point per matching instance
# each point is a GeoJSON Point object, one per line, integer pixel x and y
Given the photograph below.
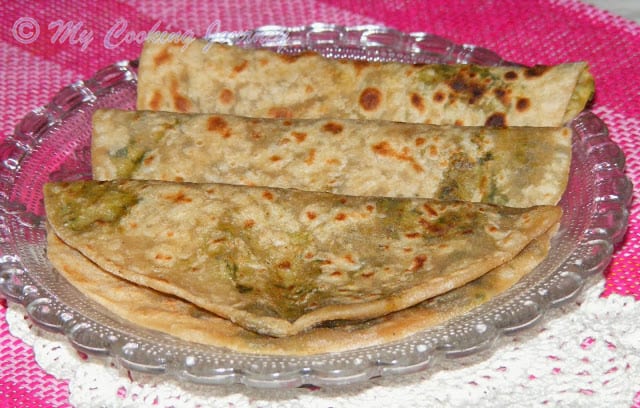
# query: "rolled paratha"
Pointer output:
{"type": "Point", "coordinates": [517, 167]}
{"type": "Point", "coordinates": [209, 77]}
{"type": "Point", "coordinates": [280, 261]}
{"type": "Point", "coordinates": [168, 314]}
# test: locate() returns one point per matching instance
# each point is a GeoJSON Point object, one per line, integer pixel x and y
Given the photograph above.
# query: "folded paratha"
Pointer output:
{"type": "Point", "coordinates": [280, 261]}
{"type": "Point", "coordinates": [208, 77]}
{"type": "Point", "coordinates": [165, 313]}
{"type": "Point", "coordinates": [517, 167]}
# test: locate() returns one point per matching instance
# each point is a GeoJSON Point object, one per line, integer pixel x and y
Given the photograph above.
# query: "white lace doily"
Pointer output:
{"type": "Point", "coordinates": [584, 354]}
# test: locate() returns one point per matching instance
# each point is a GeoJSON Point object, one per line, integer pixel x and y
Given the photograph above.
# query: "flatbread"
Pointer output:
{"type": "Point", "coordinates": [209, 77]}
{"type": "Point", "coordinates": [517, 167]}
{"type": "Point", "coordinates": [157, 311]}
{"type": "Point", "coordinates": [279, 261]}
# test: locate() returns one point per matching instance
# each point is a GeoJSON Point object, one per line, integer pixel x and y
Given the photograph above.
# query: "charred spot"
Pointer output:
{"type": "Point", "coordinates": [163, 257]}
{"type": "Point", "coordinates": [341, 216]}
{"type": "Point", "coordinates": [523, 104]}
{"type": "Point", "coordinates": [370, 99]}
{"type": "Point", "coordinates": [282, 113]}
{"type": "Point", "coordinates": [336, 274]}
{"type": "Point", "coordinates": [535, 71]}
{"type": "Point", "coordinates": [332, 127]}
{"type": "Point", "coordinates": [286, 123]}
{"type": "Point", "coordinates": [417, 102]}
{"type": "Point", "coordinates": [474, 90]}
{"type": "Point", "coordinates": [300, 136]}
{"type": "Point", "coordinates": [267, 195]}
{"type": "Point", "coordinates": [370, 207]}
{"type": "Point", "coordinates": [275, 158]}
{"type": "Point", "coordinates": [458, 122]}
{"type": "Point", "coordinates": [420, 141]}
{"type": "Point", "coordinates": [179, 179]}
{"type": "Point", "coordinates": [367, 274]}
{"type": "Point", "coordinates": [226, 96]}
{"type": "Point", "coordinates": [504, 96]}
{"type": "Point", "coordinates": [413, 235]}
{"type": "Point", "coordinates": [438, 97]}
{"type": "Point", "coordinates": [309, 255]}
{"type": "Point", "coordinates": [311, 215]}
{"type": "Point", "coordinates": [249, 223]}
{"type": "Point", "coordinates": [497, 119]}
{"type": "Point", "coordinates": [148, 160]}
{"type": "Point", "coordinates": [219, 125]}
{"type": "Point", "coordinates": [284, 265]}
{"type": "Point", "coordinates": [349, 258]}
{"type": "Point", "coordinates": [510, 75]}
{"type": "Point", "coordinates": [343, 200]}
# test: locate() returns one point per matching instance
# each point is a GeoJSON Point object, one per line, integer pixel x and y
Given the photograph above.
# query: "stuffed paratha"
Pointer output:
{"type": "Point", "coordinates": [279, 261]}
{"type": "Point", "coordinates": [208, 77]}
{"type": "Point", "coordinates": [154, 310]}
{"type": "Point", "coordinates": [517, 167]}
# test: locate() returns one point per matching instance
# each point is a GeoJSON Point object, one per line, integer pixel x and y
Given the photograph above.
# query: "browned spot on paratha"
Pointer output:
{"type": "Point", "coordinates": [275, 158]}
{"type": "Point", "coordinates": [497, 119]}
{"type": "Point", "coordinates": [240, 67]}
{"type": "Point", "coordinates": [162, 57]}
{"type": "Point", "coordinates": [465, 85]}
{"type": "Point", "coordinates": [341, 216]}
{"type": "Point", "coordinates": [178, 198]}
{"type": "Point", "coordinates": [300, 136]}
{"type": "Point", "coordinates": [311, 215]}
{"type": "Point", "coordinates": [536, 71]}
{"type": "Point", "coordinates": [219, 125]}
{"type": "Point", "coordinates": [280, 112]}
{"type": "Point", "coordinates": [226, 96]}
{"type": "Point", "coordinates": [249, 223]}
{"type": "Point", "coordinates": [181, 103]}
{"type": "Point", "coordinates": [420, 141]}
{"type": "Point", "coordinates": [370, 99]}
{"type": "Point", "coordinates": [510, 75]}
{"type": "Point", "coordinates": [503, 95]}
{"type": "Point", "coordinates": [417, 102]}
{"type": "Point", "coordinates": [289, 59]}
{"type": "Point", "coordinates": [310, 157]}
{"type": "Point", "coordinates": [438, 97]}
{"type": "Point", "coordinates": [155, 101]}
{"type": "Point", "coordinates": [523, 104]}
{"type": "Point", "coordinates": [385, 149]}
{"type": "Point", "coordinates": [267, 195]}
{"type": "Point", "coordinates": [332, 127]}
{"type": "Point", "coordinates": [418, 262]}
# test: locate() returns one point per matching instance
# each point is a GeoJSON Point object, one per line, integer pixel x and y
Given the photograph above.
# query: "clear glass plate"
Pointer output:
{"type": "Point", "coordinates": [52, 143]}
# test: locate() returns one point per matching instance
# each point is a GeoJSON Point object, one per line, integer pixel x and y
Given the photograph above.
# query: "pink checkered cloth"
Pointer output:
{"type": "Point", "coordinates": [37, 63]}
